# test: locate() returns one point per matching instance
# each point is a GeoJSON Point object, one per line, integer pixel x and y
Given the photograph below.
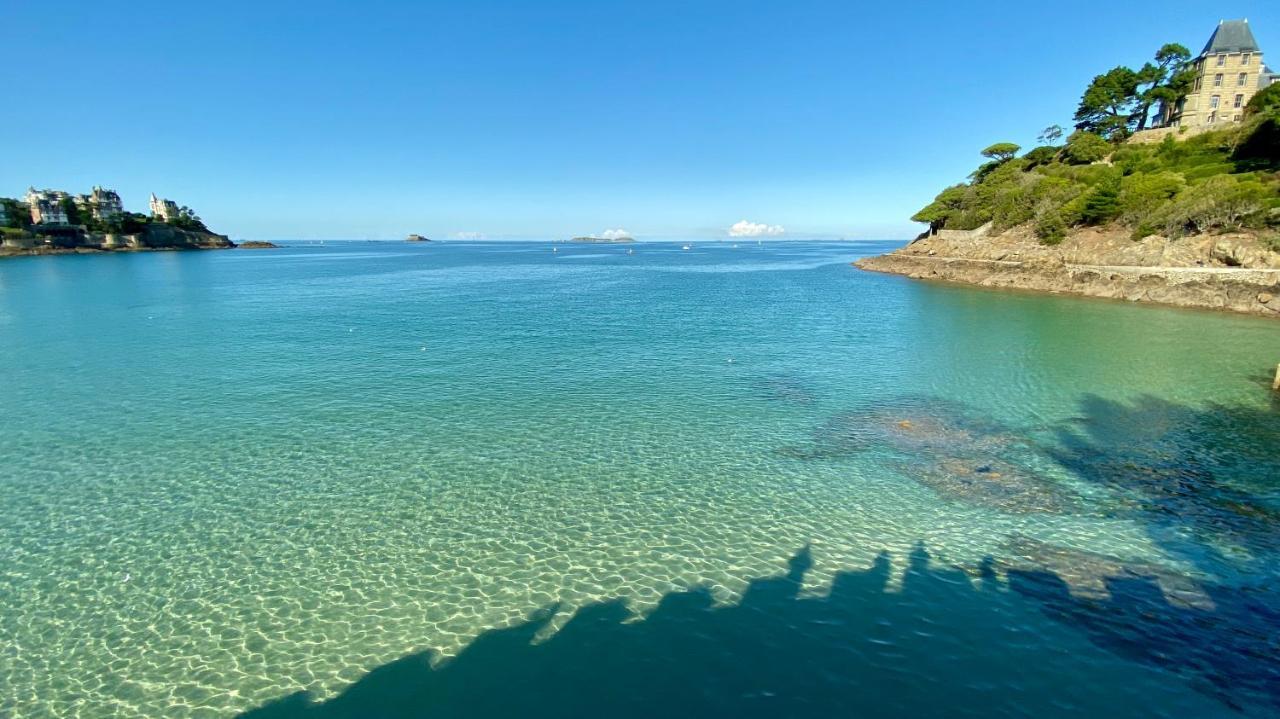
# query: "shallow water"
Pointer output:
{"type": "Point", "coordinates": [231, 476]}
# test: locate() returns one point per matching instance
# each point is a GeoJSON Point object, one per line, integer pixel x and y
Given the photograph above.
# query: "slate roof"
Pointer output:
{"type": "Point", "coordinates": [1231, 36]}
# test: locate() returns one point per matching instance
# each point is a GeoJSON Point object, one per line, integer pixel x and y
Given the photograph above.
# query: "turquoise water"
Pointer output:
{"type": "Point", "coordinates": [748, 480]}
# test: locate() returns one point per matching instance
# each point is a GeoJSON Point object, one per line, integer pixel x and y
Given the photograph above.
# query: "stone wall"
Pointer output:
{"type": "Point", "coordinates": [1157, 134]}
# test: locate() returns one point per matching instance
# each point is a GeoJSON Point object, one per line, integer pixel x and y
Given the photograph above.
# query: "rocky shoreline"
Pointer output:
{"type": "Point", "coordinates": [1236, 272]}
{"type": "Point", "coordinates": [158, 238]}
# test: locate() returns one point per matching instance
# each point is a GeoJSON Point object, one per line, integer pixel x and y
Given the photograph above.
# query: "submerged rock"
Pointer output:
{"type": "Point", "coordinates": [999, 484]}
{"type": "Point", "coordinates": [947, 448]}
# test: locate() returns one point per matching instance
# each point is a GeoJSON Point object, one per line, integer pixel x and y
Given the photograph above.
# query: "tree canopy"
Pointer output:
{"type": "Point", "coordinates": [1214, 181]}
{"type": "Point", "coordinates": [1051, 134]}
{"type": "Point", "coordinates": [1224, 179]}
{"type": "Point", "coordinates": [1119, 102]}
{"type": "Point", "coordinates": [1267, 100]}
{"type": "Point", "coordinates": [1001, 151]}
{"type": "Point", "coordinates": [1107, 104]}
{"type": "Point", "coordinates": [1086, 147]}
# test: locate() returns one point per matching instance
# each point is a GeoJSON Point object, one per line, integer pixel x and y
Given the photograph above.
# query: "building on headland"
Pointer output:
{"type": "Point", "coordinates": [166, 210]}
{"type": "Point", "coordinates": [46, 206]}
{"type": "Point", "coordinates": [1229, 71]}
{"type": "Point", "coordinates": [100, 204]}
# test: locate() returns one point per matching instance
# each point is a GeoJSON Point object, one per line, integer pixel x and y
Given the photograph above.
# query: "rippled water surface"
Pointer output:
{"type": "Point", "coordinates": [746, 480]}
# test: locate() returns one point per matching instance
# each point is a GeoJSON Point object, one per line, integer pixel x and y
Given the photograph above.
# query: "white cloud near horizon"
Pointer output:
{"type": "Point", "coordinates": [746, 228]}
{"type": "Point", "coordinates": [468, 235]}
{"type": "Point", "coordinates": [614, 234]}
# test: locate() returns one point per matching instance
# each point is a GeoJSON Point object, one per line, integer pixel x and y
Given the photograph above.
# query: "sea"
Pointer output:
{"type": "Point", "coordinates": [517, 479]}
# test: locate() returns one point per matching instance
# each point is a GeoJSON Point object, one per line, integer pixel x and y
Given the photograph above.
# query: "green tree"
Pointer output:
{"type": "Point", "coordinates": [16, 213]}
{"type": "Point", "coordinates": [1051, 229]}
{"type": "Point", "coordinates": [1102, 204]}
{"type": "Point", "coordinates": [1086, 147]}
{"type": "Point", "coordinates": [1266, 101]}
{"type": "Point", "coordinates": [132, 223]}
{"type": "Point", "coordinates": [1261, 149]}
{"type": "Point", "coordinates": [70, 207]}
{"type": "Point", "coordinates": [1001, 151]}
{"type": "Point", "coordinates": [1167, 81]}
{"type": "Point", "coordinates": [948, 203]}
{"type": "Point", "coordinates": [1106, 108]}
{"type": "Point", "coordinates": [1050, 135]}
{"type": "Point", "coordinates": [1220, 202]}
{"type": "Point", "coordinates": [1042, 155]}
{"type": "Point", "coordinates": [1143, 193]}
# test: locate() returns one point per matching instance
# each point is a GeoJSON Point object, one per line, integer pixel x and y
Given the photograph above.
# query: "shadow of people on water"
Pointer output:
{"type": "Point", "coordinates": [942, 644]}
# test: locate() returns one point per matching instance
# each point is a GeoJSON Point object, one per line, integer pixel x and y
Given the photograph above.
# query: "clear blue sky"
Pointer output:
{"type": "Point", "coordinates": [546, 119]}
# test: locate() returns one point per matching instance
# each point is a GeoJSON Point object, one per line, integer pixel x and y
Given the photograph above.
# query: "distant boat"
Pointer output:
{"type": "Point", "coordinates": [416, 238]}
{"type": "Point", "coordinates": [630, 251]}
{"type": "Point", "coordinates": [685, 247]}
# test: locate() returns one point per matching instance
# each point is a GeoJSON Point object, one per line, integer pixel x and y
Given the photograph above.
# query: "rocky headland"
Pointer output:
{"type": "Point", "coordinates": [1236, 271]}
{"type": "Point", "coordinates": [55, 222]}
{"type": "Point", "coordinates": [1145, 201]}
{"type": "Point", "coordinates": [153, 237]}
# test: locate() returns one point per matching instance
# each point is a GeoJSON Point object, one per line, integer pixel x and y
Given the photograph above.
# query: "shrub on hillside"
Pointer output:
{"type": "Point", "coordinates": [1085, 147]}
{"type": "Point", "coordinates": [1265, 102]}
{"type": "Point", "coordinates": [1102, 203]}
{"type": "Point", "coordinates": [1142, 194]}
{"type": "Point", "coordinates": [1042, 155]}
{"type": "Point", "coordinates": [1051, 229]}
{"type": "Point", "coordinates": [1173, 187]}
{"type": "Point", "coordinates": [1261, 149]}
{"type": "Point", "coordinates": [1219, 203]}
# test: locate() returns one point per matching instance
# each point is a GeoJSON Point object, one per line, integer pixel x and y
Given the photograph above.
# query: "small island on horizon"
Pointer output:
{"type": "Point", "coordinates": [604, 240]}
{"type": "Point", "coordinates": [57, 222]}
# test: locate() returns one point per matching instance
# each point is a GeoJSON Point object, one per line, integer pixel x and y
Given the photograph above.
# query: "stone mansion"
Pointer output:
{"type": "Point", "coordinates": [1229, 71]}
